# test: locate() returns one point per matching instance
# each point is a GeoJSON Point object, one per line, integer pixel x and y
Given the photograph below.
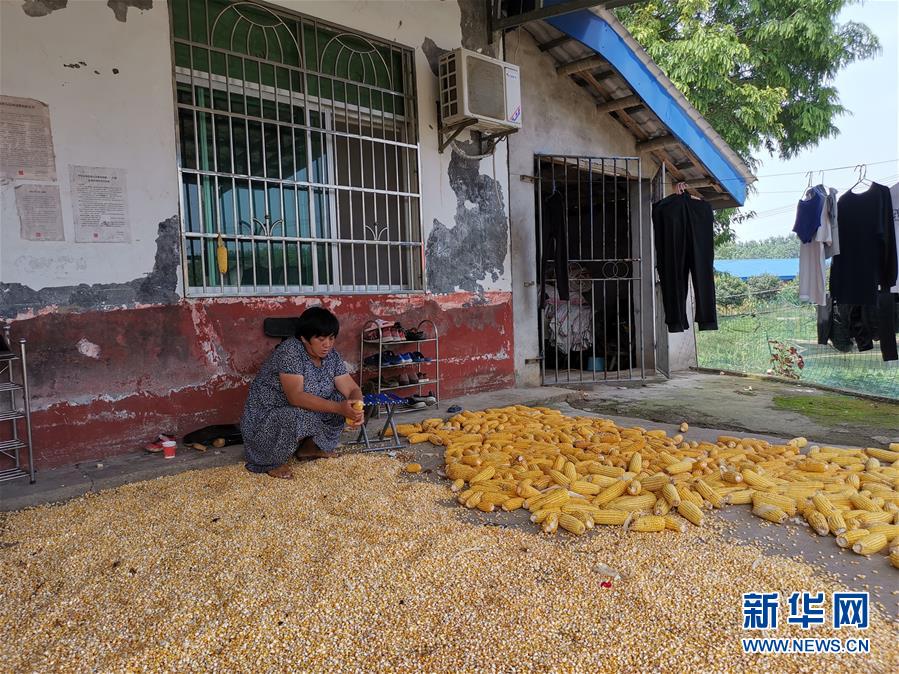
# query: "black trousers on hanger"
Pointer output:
{"type": "Point", "coordinates": [685, 246]}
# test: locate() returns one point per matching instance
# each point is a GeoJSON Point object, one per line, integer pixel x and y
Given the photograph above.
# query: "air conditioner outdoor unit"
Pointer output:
{"type": "Point", "coordinates": [481, 90]}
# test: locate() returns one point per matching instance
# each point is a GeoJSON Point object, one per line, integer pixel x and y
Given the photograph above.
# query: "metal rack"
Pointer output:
{"type": "Point", "coordinates": [379, 368]}
{"type": "Point", "coordinates": [11, 413]}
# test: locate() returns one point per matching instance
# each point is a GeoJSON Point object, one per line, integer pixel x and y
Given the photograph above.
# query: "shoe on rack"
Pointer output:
{"type": "Point", "coordinates": [419, 357]}
{"type": "Point", "coordinates": [389, 383]}
{"type": "Point", "coordinates": [413, 380]}
{"type": "Point", "coordinates": [428, 400]}
{"type": "Point", "coordinates": [403, 379]}
{"type": "Point", "coordinates": [414, 335]}
{"type": "Point", "coordinates": [415, 404]}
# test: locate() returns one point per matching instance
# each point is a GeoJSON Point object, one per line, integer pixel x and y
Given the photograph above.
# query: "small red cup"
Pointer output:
{"type": "Point", "coordinates": [168, 449]}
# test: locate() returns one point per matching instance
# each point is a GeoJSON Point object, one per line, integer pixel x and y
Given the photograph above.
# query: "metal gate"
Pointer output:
{"type": "Point", "coordinates": [590, 221]}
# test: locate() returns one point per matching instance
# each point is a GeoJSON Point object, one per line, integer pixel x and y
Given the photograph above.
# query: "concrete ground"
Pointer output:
{"type": "Point", "coordinates": [711, 404]}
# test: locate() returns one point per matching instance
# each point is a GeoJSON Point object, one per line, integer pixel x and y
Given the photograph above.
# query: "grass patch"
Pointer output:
{"type": "Point", "coordinates": [741, 345]}
{"type": "Point", "coordinates": [831, 408]}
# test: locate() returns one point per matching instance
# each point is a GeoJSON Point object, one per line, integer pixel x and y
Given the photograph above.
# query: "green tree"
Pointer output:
{"type": "Point", "coordinates": [730, 290]}
{"type": "Point", "coordinates": [760, 71]}
{"type": "Point", "coordinates": [764, 286]}
{"type": "Point", "coordinates": [773, 247]}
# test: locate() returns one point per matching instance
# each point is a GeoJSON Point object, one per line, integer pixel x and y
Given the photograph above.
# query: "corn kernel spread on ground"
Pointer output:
{"type": "Point", "coordinates": [358, 566]}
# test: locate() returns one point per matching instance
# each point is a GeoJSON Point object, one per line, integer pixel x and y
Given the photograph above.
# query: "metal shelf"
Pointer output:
{"type": "Point", "coordinates": [384, 367]}
{"type": "Point", "coordinates": [400, 341]}
{"type": "Point", "coordinates": [11, 415]}
{"type": "Point", "coordinates": [14, 449]}
{"type": "Point", "coordinates": [425, 327]}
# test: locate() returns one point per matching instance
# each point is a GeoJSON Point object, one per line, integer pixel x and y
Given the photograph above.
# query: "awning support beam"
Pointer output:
{"type": "Point", "coordinates": [498, 22]}
{"type": "Point", "coordinates": [658, 143]}
{"type": "Point", "coordinates": [619, 104]}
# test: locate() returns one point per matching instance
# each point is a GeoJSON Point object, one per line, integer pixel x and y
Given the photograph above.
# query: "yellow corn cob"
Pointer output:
{"type": "Point", "coordinates": [458, 485]}
{"type": "Point", "coordinates": [495, 498]}
{"type": "Point", "coordinates": [741, 497]}
{"type": "Point", "coordinates": [539, 515]}
{"type": "Point", "coordinates": [559, 463]}
{"type": "Point", "coordinates": [823, 504]}
{"type": "Point", "coordinates": [785, 503]}
{"type": "Point", "coordinates": [606, 516]}
{"type": "Point", "coordinates": [679, 467]}
{"type": "Point", "coordinates": [708, 493]}
{"type": "Point", "coordinates": [416, 438]}
{"type": "Point", "coordinates": [691, 512]}
{"type": "Point", "coordinates": [648, 523]}
{"type": "Point", "coordinates": [673, 523]}
{"type": "Point", "coordinates": [474, 499]}
{"type": "Point", "coordinates": [770, 513]}
{"type": "Point", "coordinates": [610, 493]}
{"type": "Point", "coordinates": [585, 488]}
{"type": "Point", "coordinates": [869, 518]}
{"type": "Point", "coordinates": [413, 468]}
{"type": "Point", "coordinates": [655, 482]}
{"type": "Point", "coordinates": [670, 494]}
{"type": "Point", "coordinates": [551, 523]}
{"type": "Point", "coordinates": [570, 472]}
{"type": "Point", "coordinates": [485, 474]}
{"type": "Point", "coordinates": [486, 506]}
{"type": "Point", "coordinates": [836, 523]}
{"type": "Point", "coordinates": [810, 466]}
{"type": "Point", "coordinates": [687, 494]}
{"type": "Point", "coordinates": [863, 503]}
{"type": "Point", "coordinates": [883, 454]}
{"type": "Point", "coordinates": [817, 522]}
{"type": "Point", "coordinates": [553, 498]}
{"type": "Point", "coordinates": [635, 465]}
{"type": "Point", "coordinates": [526, 491]}
{"type": "Point", "coordinates": [732, 476]}
{"type": "Point", "coordinates": [572, 524]}
{"type": "Point", "coordinates": [661, 507]}
{"type": "Point", "coordinates": [756, 480]}
{"type": "Point", "coordinates": [559, 478]}
{"type": "Point", "coordinates": [512, 503]}
{"type": "Point", "coordinates": [633, 503]}
{"type": "Point", "coordinates": [870, 544]}
{"type": "Point", "coordinates": [634, 487]}
{"type": "Point", "coordinates": [891, 531]}
{"type": "Point", "coordinates": [608, 471]}
{"type": "Point", "coordinates": [848, 539]}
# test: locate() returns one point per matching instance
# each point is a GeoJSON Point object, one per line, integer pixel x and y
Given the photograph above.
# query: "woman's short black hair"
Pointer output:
{"type": "Point", "coordinates": [317, 322]}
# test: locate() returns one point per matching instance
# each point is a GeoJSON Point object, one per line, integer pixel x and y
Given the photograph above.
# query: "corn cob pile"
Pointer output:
{"type": "Point", "coordinates": [575, 473]}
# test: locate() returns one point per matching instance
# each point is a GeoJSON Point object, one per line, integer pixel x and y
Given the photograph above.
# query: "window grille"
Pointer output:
{"type": "Point", "coordinates": [298, 153]}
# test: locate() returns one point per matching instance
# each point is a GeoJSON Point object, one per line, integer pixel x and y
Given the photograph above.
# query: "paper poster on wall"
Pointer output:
{"type": "Point", "coordinates": [40, 213]}
{"type": "Point", "coordinates": [100, 205]}
{"type": "Point", "coordinates": [26, 144]}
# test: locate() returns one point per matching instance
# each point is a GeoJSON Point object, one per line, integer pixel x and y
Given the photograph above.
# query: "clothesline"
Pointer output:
{"type": "Point", "coordinates": [786, 208]}
{"type": "Point", "coordinates": [818, 170]}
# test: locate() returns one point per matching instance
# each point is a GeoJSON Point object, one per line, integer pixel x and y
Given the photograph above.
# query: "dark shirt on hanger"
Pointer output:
{"type": "Point", "coordinates": [867, 260]}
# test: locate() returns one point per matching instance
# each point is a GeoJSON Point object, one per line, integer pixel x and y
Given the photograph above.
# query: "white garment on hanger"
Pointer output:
{"type": "Point", "coordinates": [812, 269]}
{"type": "Point", "coordinates": [894, 195]}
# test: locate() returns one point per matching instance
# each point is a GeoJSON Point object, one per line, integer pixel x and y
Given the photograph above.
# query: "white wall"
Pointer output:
{"type": "Point", "coordinates": [121, 121]}
{"type": "Point", "coordinates": [558, 118]}
{"type": "Point", "coordinates": [127, 121]}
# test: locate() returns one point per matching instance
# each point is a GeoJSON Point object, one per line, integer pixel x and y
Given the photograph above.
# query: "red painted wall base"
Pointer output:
{"type": "Point", "coordinates": [106, 382]}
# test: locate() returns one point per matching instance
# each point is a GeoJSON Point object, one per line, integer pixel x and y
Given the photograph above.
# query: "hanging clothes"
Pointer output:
{"type": "Point", "coordinates": [823, 244]}
{"type": "Point", "coordinates": [867, 260]}
{"type": "Point", "coordinates": [894, 198]}
{"type": "Point", "coordinates": [685, 246]}
{"type": "Point", "coordinates": [555, 245]}
{"type": "Point", "coordinates": [863, 273]}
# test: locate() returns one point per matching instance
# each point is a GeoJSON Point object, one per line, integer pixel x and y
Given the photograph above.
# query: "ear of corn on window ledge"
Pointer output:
{"type": "Point", "coordinates": [575, 473]}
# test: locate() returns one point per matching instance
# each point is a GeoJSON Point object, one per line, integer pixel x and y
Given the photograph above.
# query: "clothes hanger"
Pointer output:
{"type": "Point", "coordinates": [862, 171]}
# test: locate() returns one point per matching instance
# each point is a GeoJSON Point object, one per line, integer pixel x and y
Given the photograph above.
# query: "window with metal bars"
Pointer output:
{"type": "Point", "coordinates": [298, 154]}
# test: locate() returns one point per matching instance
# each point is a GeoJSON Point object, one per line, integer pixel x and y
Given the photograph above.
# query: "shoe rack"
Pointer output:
{"type": "Point", "coordinates": [429, 346]}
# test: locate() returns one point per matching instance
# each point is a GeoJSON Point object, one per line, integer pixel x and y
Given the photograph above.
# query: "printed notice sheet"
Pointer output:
{"type": "Point", "coordinates": [100, 204]}
{"type": "Point", "coordinates": [26, 144]}
{"type": "Point", "coordinates": [40, 213]}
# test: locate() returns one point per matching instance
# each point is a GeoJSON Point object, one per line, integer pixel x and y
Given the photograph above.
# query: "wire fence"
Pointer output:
{"type": "Point", "coordinates": [772, 332]}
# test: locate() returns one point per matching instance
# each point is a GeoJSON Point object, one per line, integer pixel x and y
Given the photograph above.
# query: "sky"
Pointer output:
{"type": "Point", "coordinates": [869, 135]}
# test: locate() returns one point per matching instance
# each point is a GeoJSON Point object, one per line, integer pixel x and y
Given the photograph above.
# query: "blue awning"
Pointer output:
{"type": "Point", "coordinates": [662, 112]}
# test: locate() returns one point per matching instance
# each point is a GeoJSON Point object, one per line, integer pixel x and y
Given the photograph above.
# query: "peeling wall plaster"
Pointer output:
{"type": "Point", "coordinates": [158, 287]}
{"type": "Point", "coordinates": [475, 248]}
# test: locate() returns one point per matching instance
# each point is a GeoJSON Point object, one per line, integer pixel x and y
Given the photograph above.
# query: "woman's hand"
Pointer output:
{"type": "Point", "coordinates": [353, 415]}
